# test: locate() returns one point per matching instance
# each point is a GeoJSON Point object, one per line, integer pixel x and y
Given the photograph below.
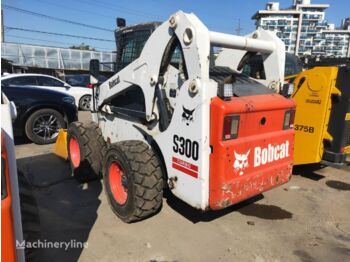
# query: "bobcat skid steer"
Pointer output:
{"type": "Point", "coordinates": [170, 118]}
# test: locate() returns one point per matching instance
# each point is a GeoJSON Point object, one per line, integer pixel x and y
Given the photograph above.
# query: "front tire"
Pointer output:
{"type": "Point", "coordinates": [43, 125]}
{"type": "Point", "coordinates": [84, 102]}
{"type": "Point", "coordinates": [86, 150]}
{"type": "Point", "coordinates": [133, 180]}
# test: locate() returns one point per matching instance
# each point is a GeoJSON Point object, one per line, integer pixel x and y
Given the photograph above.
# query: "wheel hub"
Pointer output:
{"type": "Point", "coordinates": [74, 151]}
{"type": "Point", "coordinates": [118, 183]}
{"type": "Point", "coordinates": [46, 126]}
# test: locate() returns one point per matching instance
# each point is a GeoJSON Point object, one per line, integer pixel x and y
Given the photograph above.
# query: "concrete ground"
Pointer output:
{"type": "Point", "coordinates": [307, 219]}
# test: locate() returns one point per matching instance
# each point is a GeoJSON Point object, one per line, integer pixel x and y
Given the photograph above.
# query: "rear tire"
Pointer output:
{"type": "Point", "coordinates": [84, 102]}
{"type": "Point", "coordinates": [86, 150]}
{"type": "Point", "coordinates": [30, 216]}
{"type": "Point", "coordinates": [133, 180]}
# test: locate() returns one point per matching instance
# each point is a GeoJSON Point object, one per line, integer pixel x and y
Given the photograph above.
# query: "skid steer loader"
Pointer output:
{"type": "Point", "coordinates": [170, 117]}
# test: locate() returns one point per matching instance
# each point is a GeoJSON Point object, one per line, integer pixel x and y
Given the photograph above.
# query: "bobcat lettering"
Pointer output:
{"type": "Point", "coordinates": [262, 156]}
{"type": "Point", "coordinates": [271, 153]}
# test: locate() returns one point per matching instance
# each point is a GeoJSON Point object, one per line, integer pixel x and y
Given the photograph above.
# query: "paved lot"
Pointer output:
{"type": "Point", "coordinates": [307, 219]}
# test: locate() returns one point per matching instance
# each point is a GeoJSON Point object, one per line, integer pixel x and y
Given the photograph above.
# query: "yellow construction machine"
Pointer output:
{"type": "Point", "coordinates": [322, 120]}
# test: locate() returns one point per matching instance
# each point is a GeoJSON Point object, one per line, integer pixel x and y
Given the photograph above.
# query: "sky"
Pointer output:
{"type": "Point", "coordinates": [218, 15]}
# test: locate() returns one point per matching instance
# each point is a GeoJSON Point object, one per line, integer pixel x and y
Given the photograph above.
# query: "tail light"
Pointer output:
{"type": "Point", "coordinates": [289, 119]}
{"type": "Point", "coordinates": [231, 126]}
{"type": "Point", "coordinates": [90, 85]}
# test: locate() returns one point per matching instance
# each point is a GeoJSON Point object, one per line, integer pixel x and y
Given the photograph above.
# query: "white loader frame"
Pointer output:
{"type": "Point", "coordinates": [195, 94]}
{"type": "Point", "coordinates": [273, 58]}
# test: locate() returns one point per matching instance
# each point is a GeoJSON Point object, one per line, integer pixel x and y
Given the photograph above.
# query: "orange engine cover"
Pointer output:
{"type": "Point", "coordinates": [259, 159]}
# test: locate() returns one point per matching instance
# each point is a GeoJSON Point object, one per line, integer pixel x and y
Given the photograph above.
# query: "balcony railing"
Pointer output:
{"type": "Point", "coordinates": [311, 17]}
{"type": "Point", "coordinates": [309, 30]}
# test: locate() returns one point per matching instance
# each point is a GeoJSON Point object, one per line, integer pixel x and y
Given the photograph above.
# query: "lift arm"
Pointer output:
{"type": "Point", "coordinates": [196, 40]}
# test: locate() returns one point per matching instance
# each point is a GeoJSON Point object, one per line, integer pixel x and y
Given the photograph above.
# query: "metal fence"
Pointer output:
{"type": "Point", "coordinates": [54, 57]}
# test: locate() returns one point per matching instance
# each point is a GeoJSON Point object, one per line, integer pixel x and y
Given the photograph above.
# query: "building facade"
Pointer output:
{"type": "Point", "coordinates": [304, 29]}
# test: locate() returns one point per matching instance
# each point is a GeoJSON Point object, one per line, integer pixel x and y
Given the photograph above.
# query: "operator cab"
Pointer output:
{"type": "Point", "coordinates": [130, 41]}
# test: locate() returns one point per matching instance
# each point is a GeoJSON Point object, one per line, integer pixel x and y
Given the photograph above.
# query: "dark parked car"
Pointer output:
{"type": "Point", "coordinates": [82, 95]}
{"type": "Point", "coordinates": [82, 80]}
{"type": "Point", "coordinates": [40, 113]}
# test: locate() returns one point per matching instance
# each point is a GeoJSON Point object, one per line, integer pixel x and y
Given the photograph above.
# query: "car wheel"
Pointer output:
{"type": "Point", "coordinates": [43, 125]}
{"type": "Point", "coordinates": [84, 102]}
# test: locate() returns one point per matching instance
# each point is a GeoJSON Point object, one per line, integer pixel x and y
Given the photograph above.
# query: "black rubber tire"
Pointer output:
{"type": "Point", "coordinates": [81, 106]}
{"type": "Point", "coordinates": [144, 180]}
{"type": "Point", "coordinates": [30, 216]}
{"type": "Point", "coordinates": [30, 121]}
{"type": "Point", "coordinates": [92, 150]}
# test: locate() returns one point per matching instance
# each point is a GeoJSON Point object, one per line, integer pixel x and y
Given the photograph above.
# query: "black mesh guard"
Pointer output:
{"type": "Point", "coordinates": [242, 84]}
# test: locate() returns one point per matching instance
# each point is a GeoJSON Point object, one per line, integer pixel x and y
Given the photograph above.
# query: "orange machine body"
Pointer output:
{"type": "Point", "coordinates": [261, 156]}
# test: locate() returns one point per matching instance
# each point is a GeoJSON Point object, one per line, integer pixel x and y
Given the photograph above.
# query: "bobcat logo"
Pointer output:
{"type": "Point", "coordinates": [241, 162]}
{"type": "Point", "coordinates": [187, 115]}
{"type": "Point", "coordinates": [114, 82]}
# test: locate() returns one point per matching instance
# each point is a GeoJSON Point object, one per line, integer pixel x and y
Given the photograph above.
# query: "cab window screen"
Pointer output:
{"type": "Point", "coordinates": [131, 46]}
